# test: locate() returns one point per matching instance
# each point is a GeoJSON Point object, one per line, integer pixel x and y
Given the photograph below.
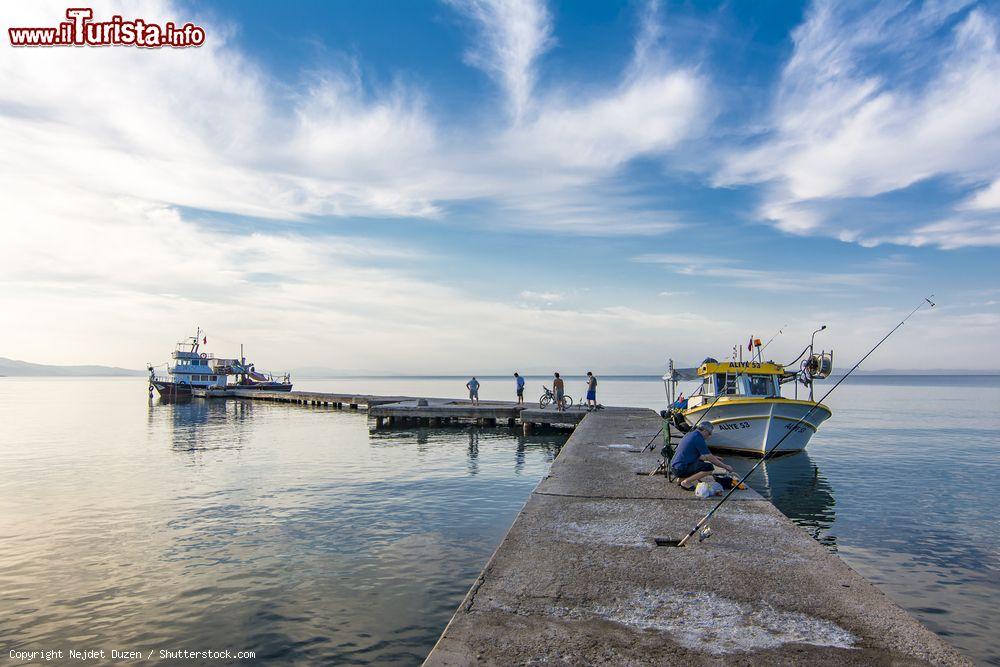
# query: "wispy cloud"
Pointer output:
{"type": "Point", "coordinates": [530, 295]}
{"type": "Point", "coordinates": [208, 128]}
{"type": "Point", "coordinates": [511, 36]}
{"type": "Point", "coordinates": [842, 129]}
{"type": "Point", "coordinates": [735, 275]}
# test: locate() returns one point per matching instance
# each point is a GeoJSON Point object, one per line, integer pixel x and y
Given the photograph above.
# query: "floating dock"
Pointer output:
{"type": "Point", "coordinates": [587, 575]}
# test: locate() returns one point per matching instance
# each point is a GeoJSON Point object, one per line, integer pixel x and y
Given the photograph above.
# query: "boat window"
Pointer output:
{"type": "Point", "coordinates": [761, 385]}
{"type": "Point", "coordinates": [725, 384]}
{"type": "Point", "coordinates": [707, 388]}
{"type": "Point", "coordinates": [214, 378]}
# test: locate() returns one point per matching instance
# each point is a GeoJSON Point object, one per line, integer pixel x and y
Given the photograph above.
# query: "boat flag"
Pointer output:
{"type": "Point", "coordinates": [750, 345]}
{"type": "Point", "coordinates": [204, 341]}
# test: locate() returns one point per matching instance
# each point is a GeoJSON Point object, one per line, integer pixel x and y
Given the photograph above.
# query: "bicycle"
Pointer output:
{"type": "Point", "coordinates": [548, 397]}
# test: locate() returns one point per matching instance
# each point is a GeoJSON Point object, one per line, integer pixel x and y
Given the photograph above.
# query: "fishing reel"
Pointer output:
{"type": "Point", "coordinates": [816, 366]}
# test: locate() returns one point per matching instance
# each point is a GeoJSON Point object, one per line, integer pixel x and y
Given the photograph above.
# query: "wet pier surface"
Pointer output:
{"type": "Point", "coordinates": [580, 579]}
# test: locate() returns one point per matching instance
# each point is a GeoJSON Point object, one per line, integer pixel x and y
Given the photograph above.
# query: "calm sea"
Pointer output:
{"type": "Point", "coordinates": [134, 525]}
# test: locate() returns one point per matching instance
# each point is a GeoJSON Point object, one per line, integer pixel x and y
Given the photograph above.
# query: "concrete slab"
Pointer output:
{"type": "Point", "coordinates": [447, 409]}
{"type": "Point", "coordinates": [579, 579]}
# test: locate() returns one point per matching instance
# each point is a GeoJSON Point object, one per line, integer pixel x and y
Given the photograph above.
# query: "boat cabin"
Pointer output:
{"type": "Point", "coordinates": [192, 368]}
{"type": "Point", "coordinates": [743, 379]}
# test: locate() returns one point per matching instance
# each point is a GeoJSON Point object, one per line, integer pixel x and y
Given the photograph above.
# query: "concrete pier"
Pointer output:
{"type": "Point", "coordinates": [392, 410]}
{"type": "Point", "coordinates": [450, 409]}
{"type": "Point", "coordinates": [314, 397]}
{"type": "Point", "coordinates": [580, 578]}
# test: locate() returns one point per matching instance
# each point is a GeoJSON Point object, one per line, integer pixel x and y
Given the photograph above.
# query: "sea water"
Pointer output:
{"type": "Point", "coordinates": [297, 534]}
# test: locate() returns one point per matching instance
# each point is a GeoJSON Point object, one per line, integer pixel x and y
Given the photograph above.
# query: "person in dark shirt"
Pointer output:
{"type": "Point", "coordinates": [692, 460]}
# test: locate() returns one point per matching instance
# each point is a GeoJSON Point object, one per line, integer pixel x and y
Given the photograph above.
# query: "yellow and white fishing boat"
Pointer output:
{"type": "Point", "coordinates": [743, 400]}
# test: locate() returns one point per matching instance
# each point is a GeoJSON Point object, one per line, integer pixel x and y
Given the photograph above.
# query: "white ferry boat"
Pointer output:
{"type": "Point", "coordinates": [743, 401]}
{"type": "Point", "coordinates": [191, 369]}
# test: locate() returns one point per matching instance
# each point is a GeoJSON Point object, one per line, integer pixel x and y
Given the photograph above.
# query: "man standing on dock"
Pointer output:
{"type": "Point", "coordinates": [559, 389]}
{"type": "Point", "coordinates": [519, 385]}
{"type": "Point", "coordinates": [692, 461]}
{"type": "Point", "coordinates": [473, 386]}
{"type": "Point", "coordinates": [591, 391]}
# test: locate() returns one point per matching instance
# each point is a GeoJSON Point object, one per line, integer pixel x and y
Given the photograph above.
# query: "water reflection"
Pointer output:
{"type": "Point", "coordinates": [194, 424]}
{"type": "Point", "coordinates": [547, 444]}
{"type": "Point", "coordinates": [798, 489]}
{"type": "Point", "coordinates": [473, 451]}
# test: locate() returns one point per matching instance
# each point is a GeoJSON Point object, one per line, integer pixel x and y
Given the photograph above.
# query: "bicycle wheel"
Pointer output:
{"type": "Point", "coordinates": [567, 401]}
{"type": "Point", "coordinates": [544, 401]}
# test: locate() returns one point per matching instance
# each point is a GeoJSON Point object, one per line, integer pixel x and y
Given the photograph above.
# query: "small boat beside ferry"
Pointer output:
{"type": "Point", "coordinates": [192, 371]}
{"type": "Point", "coordinates": [743, 401]}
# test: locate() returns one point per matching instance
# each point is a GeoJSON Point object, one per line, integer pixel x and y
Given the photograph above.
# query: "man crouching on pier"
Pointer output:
{"type": "Point", "coordinates": [692, 461]}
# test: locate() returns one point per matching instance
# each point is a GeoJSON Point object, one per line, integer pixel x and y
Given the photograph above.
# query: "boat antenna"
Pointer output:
{"type": "Point", "coordinates": [704, 520]}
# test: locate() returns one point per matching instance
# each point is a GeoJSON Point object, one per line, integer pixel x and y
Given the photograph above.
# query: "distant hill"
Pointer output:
{"type": "Point", "coordinates": [15, 368]}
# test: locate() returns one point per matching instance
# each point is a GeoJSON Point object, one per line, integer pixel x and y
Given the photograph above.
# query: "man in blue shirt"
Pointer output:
{"type": "Point", "coordinates": [473, 386]}
{"type": "Point", "coordinates": [692, 460]}
{"type": "Point", "coordinates": [519, 385]}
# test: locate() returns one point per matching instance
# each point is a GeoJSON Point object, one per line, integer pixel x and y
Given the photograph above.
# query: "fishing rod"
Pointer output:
{"type": "Point", "coordinates": [665, 464]}
{"type": "Point", "coordinates": [649, 445]}
{"type": "Point", "coordinates": [704, 520]}
{"type": "Point", "coordinates": [771, 339]}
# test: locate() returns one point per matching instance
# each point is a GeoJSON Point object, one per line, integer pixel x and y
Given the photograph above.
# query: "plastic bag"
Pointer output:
{"type": "Point", "coordinates": [708, 489]}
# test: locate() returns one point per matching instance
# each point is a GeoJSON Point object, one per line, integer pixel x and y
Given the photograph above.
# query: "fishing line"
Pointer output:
{"type": "Point", "coordinates": [649, 445]}
{"type": "Point", "coordinates": [791, 429]}
{"type": "Point", "coordinates": [771, 339]}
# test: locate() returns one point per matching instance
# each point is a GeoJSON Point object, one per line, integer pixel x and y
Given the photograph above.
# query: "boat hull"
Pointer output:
{"type": "Point", "coordinates": [171, 389]}
{"type": "Point", "coordinates": [756, 426]}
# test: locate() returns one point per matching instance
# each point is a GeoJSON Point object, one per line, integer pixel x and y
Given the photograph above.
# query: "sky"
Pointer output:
{"type": "Point", "coordinates": [482, 186]}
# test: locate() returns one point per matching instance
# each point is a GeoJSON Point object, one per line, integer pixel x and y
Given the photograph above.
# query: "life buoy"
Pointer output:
{"type": "Point", "coordinates": [204, 356]}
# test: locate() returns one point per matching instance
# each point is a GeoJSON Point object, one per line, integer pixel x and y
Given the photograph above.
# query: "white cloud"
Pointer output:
{"type": "Point", "coordinates": [705, 269]}
{"type": "Point", "coordinates": [838, 130]}
{"type": "Point", "coordinates": [512, 36]}
{"type": "Point", "coordinates": [117, 279]}
{"type": "Point", "coordinates": [207, 128]}
{"type": "Point", "coordinates": [648, 115]}
{"type": "Point", "coordinates": [984, 199]}
{"type": "Point", "coordinates": [529, 295]}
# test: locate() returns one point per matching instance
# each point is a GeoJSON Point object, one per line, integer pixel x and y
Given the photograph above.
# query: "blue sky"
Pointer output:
{"type": "Point", "coordinates": [471, 186]}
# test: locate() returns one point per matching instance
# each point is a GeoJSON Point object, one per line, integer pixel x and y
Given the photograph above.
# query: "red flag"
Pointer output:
{"type": "Point", "coordinates": [204, 341]}
{"type": "Point", "coordinates": [750, 345]}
